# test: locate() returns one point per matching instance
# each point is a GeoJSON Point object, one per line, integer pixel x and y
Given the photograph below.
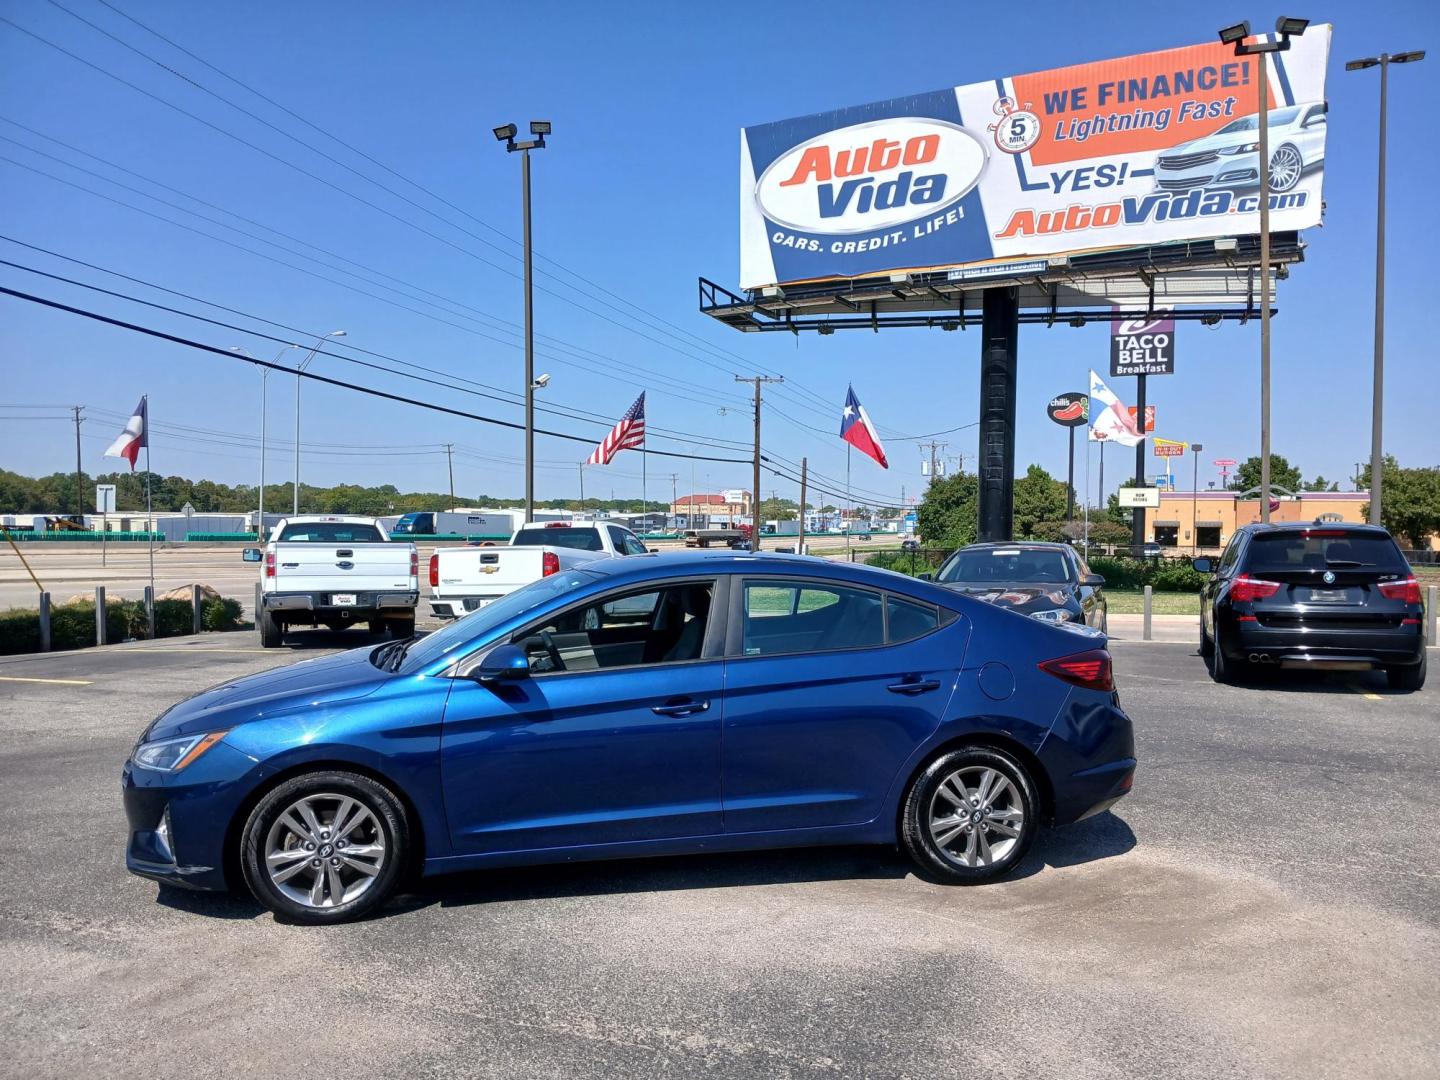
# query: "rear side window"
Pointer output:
{"type": "Point", "coordinates": [564, 536]}
{"type": "Point", "coordinates": [331, 532]}
{"type": "Point", "coordinates": [909, 620]}
{"type": "Point", "coordinates": [1323, 549]}
{"type": "Point", "coordinates": [785, 617]}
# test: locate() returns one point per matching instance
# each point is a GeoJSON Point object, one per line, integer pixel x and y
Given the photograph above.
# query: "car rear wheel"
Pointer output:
{"type": "Point", "coordinates": [272, 630]}
{"type": "Point", "coordinates": [1410, 677]}
{"type": "Point", "coordinates": [1207, 647]}
{"type": "Point", "coordinates": [1222, 668]}
{"type": "Point", "coordinates": [970, 817]}
{"type": "Point", "coordinates": [325, 847]}
{"type": "Point", "coordinates": [400, 629]}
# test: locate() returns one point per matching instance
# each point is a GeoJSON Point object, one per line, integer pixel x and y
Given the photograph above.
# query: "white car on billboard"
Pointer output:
{"type": "Point", "coordinates": [1230, 157]}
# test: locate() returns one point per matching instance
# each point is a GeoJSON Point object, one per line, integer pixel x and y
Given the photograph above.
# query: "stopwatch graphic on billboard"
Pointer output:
{"type": "Point", "coordinates": [1121, 153]}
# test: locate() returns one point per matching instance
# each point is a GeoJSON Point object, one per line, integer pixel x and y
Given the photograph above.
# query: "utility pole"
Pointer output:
{"type": "Point", "coordinates": [674, 494]}
{"type": "Point", "coordinates": [935, 449]}
{"type": "Point", "coordinates": [79, 475]}
{"type": "Point", "coordinates": [755, 490]}
{"type": "Point", "coordinates": [804, 481]}
{"type": "Point", "coordinates": [450, 462]}
{"type": "Point", "coordinates": [582, 486]}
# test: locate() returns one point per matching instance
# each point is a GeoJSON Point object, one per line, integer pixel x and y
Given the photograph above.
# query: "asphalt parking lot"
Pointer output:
{"type": "Point", "coordinates": [1266, 903]}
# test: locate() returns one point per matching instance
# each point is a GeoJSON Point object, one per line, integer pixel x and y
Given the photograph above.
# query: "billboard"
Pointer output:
{"type": "Point", "coordinates": [1142, 346]}
{"type": "Point", "coordinates": [1069, 410]}
{"type": "Point", "coordinates": [1169, 448]}
{"type": "Point", "coordinates": [1121, 153]}
{"type": "Point", "coordinates": [1149, 416]}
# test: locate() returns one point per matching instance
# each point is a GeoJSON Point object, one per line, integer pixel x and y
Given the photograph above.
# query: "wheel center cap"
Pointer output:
{"type": "Point", "coordinates": [976, 816]}
{"type": "Point", "coordinates": [326, 851]}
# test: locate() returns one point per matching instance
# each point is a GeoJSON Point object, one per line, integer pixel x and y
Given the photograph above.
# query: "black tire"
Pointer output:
{"type": "Point", "coordinates": [272, 630]}
{"type": "Point", "coordinates": [376, 626]}
{"type": "Point", "coordinates": [400, 629]}
{"type": "Point", "coordinates": [1207, 647]}
{"type": "Point", "coordinates": [389, 822]}
{"type": "Point", "coordinates": [1408, 678]}
{"type": "Point", "coordinates": [947, 865]}
{"type": "Point", "coordinates": [1105, 622]}
{"type": "Point", "coordinates": [1222, 668]}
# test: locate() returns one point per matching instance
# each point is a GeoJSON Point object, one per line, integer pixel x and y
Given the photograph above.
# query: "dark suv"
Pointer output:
{"type": "Point", "coordinates": [1319, 596]}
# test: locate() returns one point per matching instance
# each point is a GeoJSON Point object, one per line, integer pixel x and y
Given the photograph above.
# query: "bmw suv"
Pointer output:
{"type": "Point", "coordinates": [1322, 596]}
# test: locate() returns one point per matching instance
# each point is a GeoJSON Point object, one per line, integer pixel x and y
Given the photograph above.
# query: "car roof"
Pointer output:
{"type": "Point", "coordinates": [665, 564]}
{"type": "Point", "coordinates": [1311, 526]}
{"type": "Point", "coordinates": [1023, 545]}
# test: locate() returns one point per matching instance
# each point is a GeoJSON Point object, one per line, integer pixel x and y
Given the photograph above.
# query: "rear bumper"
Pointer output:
{"type": "Point", "coordinates": [452, 607]}
{"type": "Point", "coordinates": [322, 603]}
{"type": "Point", "coordinates": [1397, 646]}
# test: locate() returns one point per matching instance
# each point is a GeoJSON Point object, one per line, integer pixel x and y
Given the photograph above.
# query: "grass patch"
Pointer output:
{"type": "Point", "coordinates": [1132, 602]}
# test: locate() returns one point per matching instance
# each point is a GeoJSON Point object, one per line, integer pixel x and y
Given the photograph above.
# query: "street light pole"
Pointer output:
{"type": "Point", "coordinates": [295, 509]}
{"type": "Point", "coordinates": [1377, 408]}
{"type": "Point", "coordinates": [506, 134]}
{"type": "Point", "coordinates": [264, 387]}
{"type": "Point", "coordinates": [1235, 35]}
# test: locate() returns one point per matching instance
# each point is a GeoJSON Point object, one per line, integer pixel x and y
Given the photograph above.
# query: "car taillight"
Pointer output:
{"type": "Point", "coordinates": [1088, 669]}
{"type": "Point", "coordinates": [1407, 591]}
{"type": "Point", "coordinates": [269, 564]}
{"type": "Point", "coordinates": [1245, 588]}
{"type": "Point", "coordinates": [550, 564]}
{"type": "Point", "coordinates": [434, 571]}
{"type": "Point", "coordinates": [414, 564]}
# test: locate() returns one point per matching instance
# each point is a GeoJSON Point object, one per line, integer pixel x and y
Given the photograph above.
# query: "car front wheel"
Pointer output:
{"type": "Point", "coordinates": [970, 817]}
{"type": "Point", "coordinates": [325, 847]}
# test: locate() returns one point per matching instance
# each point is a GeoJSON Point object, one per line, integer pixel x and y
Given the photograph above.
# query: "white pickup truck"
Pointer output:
{"type": "Point", "coordinates": [324, 570]}
{"type": "Point", "coordinates": [463, 579]}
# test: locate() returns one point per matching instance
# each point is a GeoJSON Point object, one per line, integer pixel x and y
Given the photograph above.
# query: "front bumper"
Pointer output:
{"type": "Point", "coordinates": [178, 822]}
{"type": "Point", "coordinates": [1315, 647]}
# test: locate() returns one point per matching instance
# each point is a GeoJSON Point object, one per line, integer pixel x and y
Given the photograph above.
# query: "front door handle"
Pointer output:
{"type": "Point", "coordinates": [917, 686]}
{"type": "Point", "coordinates": [680, 708]}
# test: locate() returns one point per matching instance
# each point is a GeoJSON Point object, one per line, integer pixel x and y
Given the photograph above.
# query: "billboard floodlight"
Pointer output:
{"type": "Point", "coordinates": [1290, 27]}
{"type": "Point", "coordinates": [1232, 34]}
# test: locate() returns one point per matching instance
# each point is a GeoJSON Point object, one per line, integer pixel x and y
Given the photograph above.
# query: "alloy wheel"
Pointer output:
{"type": "Point", "coordinates": [976, 816]}
{"type": "Point", "coordinates": [1285, 169]}
{"type": "Point", "coordinates": [325, 850]}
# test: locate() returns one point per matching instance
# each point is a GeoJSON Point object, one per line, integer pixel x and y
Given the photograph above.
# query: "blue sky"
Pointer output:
{"type": "Point", "coordinates": [636, 193]}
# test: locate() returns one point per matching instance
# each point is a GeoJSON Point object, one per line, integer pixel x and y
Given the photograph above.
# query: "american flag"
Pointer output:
{"type": "Point", "coordinates": [628, 434]}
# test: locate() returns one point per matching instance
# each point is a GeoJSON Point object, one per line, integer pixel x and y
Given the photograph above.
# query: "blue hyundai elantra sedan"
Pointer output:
{"type": "Point", "coordinates": [655, 705]}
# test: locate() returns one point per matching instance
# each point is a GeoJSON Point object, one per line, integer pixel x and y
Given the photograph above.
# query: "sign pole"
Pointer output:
{"type": "Point", "coordinates": [1137, 525]}
{"type": "Point", "coordinates": [1070, 481]}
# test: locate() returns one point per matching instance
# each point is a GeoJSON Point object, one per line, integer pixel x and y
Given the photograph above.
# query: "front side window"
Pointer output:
{"type": "Point", "coordinates": [651, 626]}
{"type": "Point", "coordinates": [796, 617]}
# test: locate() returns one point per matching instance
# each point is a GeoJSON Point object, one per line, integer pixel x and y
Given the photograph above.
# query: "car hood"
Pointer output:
{"type": "Point", "coordinates": [1019, 596]}
{"type": "Point", "coordinates": [1217, 141]}
{"type": "Point", "coordinates": [324, 680]}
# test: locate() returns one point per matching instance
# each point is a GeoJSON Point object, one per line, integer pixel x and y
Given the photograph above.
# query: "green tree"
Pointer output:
{"type": "Point", "coordinates": [1409, 501]}
{"type": "Point", "coordinates": [1282, 474]}
{"type": "Point", "coordinates": [1038, 497]}
{"type": "Point", "coordinates": [948, 515]}
{"type": "Point", "coordinates": [1120, 515]}
{"type": "Point", "coordinates": [778, 510]}
{"type": "Point", "coordinates": [1320, 484]}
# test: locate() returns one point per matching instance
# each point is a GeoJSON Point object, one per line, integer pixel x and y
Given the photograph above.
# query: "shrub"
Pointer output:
{"type": "Point", "coordinates": [1162, 576]}
{"type": "Point", "coordinates": [19, 632]}
{"type": "Point", "coordinates": [222, 614]}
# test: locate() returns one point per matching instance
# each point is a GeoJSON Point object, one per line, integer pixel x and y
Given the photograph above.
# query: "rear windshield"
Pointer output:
{"type": "Point", "coordinates": [565, 537]}
{"type": "Point", "coordinates": [1332, 549]}
{"type": "Point", "coordinates": [332, 532]}
{"type": "Point", "coordinates": [1007, 564]}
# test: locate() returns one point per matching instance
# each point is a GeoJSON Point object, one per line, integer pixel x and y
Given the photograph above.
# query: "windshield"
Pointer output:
{"type": "Point", "coordinates": [1007, 565]}
{"type": "Point", "coordinates": [1323, 549]}
{"type": "Point", "coordinates": [479, 624]}
{"type": "Point", "coordinates": [1252, 122]}
{"type": "Point", "coordinates": [408, 523]}
{"type": "Point", "coordinates": [331, 532]}
{"type": "Point", "coordinates": [582, 539]}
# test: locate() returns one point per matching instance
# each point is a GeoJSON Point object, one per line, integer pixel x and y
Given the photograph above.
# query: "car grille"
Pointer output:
{"type": "Point", "coordinates": [1186, 161]}
{"type": "Point", "coordinates": [1183, 185]}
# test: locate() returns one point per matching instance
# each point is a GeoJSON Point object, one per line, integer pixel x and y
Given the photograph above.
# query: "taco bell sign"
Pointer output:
{"type": "Point", "coordinates": [1142, 347]}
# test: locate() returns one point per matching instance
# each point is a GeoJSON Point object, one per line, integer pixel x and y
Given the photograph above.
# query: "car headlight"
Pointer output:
{"type": "Point", "coordinates": [1053, 615]}
{"type": "Point", "coordinates": [172, 755]}
{"type": "Point", "coordinates": [1243, 148]}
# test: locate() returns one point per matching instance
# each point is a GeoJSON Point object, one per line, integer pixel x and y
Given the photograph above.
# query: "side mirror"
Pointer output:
{"type": "Point", "coordinates": [1093, 580]}
{"type": "Point", "coordinates": [252, 555]}
{"type": "Point", "coordinates": [926, 575]}
{"type": "Point", "coordinates": [1204, 566]}
{"type": "Point", "coordinates": [504, 663]}
{"type": "Point", "coordinates": [652, 550]}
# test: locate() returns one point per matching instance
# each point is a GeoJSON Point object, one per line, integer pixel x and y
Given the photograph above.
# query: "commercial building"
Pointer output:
{"type": "Point", "coordinates": [1205, 520]}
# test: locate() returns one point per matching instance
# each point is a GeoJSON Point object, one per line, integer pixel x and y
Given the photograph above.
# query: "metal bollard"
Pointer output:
{"type": "Point", "coordinates": [44, 622]}
{"type": "Point", "coordinates": [195, 601]}
{"type": "Point", "coordinates": [100, 634]}
{"type": "Point", "coordinates": [149, 613]}
{"type": "Point", "coordinates": [1432, 594]}
{"type": "Point", "coordinates": [1146, 635]}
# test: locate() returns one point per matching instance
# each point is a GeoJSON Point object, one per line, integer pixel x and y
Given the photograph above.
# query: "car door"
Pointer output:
{"type": "Point", "coordinates": [584, 754]}
{"type": "Point", "coordinates": [821, 707]}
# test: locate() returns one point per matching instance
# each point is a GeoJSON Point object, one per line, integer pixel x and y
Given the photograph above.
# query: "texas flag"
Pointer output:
{"type": "Point", "coordinates": [1110, 421]}
{"type": "Point", "coordinates": [858, 431]}
{"type": "Point", "coordinates": [135, 435]}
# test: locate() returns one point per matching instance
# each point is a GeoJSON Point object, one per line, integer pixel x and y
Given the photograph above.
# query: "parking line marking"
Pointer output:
{"type": "Point", "coordinates": [52, 682]}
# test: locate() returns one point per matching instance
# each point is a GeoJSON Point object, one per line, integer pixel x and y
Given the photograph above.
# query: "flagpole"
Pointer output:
{"type": "Point", "coordinates": [644, 487]}
{"type": "Point", "coordinates": [149, 510]}
{"type": "Point", "coordinates": [1087, 493]}
{"type": "Point", "coordinates": [849, 508]}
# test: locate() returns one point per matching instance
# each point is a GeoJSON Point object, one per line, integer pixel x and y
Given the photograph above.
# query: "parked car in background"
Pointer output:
{"type": "Point", "coordinates": [334, 571]}
{"type": "Point", "coordinates": [466, 579]}
{"type": "Point", "coordinates": [1050, 582]}
{"type": "Point", "coordinates": [1317, 597]}
{"type": "Point", "coordinates": [1230, 157]}
{"type": "Point", "coordinates": [581, 718]}
{"type": "Point", "coordinates": [734, 536]}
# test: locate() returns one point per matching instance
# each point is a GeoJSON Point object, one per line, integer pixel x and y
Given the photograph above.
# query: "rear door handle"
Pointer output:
{"type": "Point", "coordinates": [680, 708]}
{"type": "Point", "coordinates": [917, 686]}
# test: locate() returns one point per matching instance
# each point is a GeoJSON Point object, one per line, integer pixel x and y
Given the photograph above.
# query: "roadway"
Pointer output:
{"type": "Point", "coordinates": [1264, 904]}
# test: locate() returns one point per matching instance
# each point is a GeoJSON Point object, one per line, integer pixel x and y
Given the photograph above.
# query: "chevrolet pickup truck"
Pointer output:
{"type": "Point", "coordinates": [323, 570]}
{"type": "Point", "coordinates": [464, 579]}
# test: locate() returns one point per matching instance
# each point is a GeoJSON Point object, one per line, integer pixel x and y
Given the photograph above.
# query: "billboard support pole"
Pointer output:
{"type": "Point", "coordinates": [1264, 87]}
{"type": "Point", "coordinates": [999, 337]}
{"type": "Point", "coordinates": [1137, 523]}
